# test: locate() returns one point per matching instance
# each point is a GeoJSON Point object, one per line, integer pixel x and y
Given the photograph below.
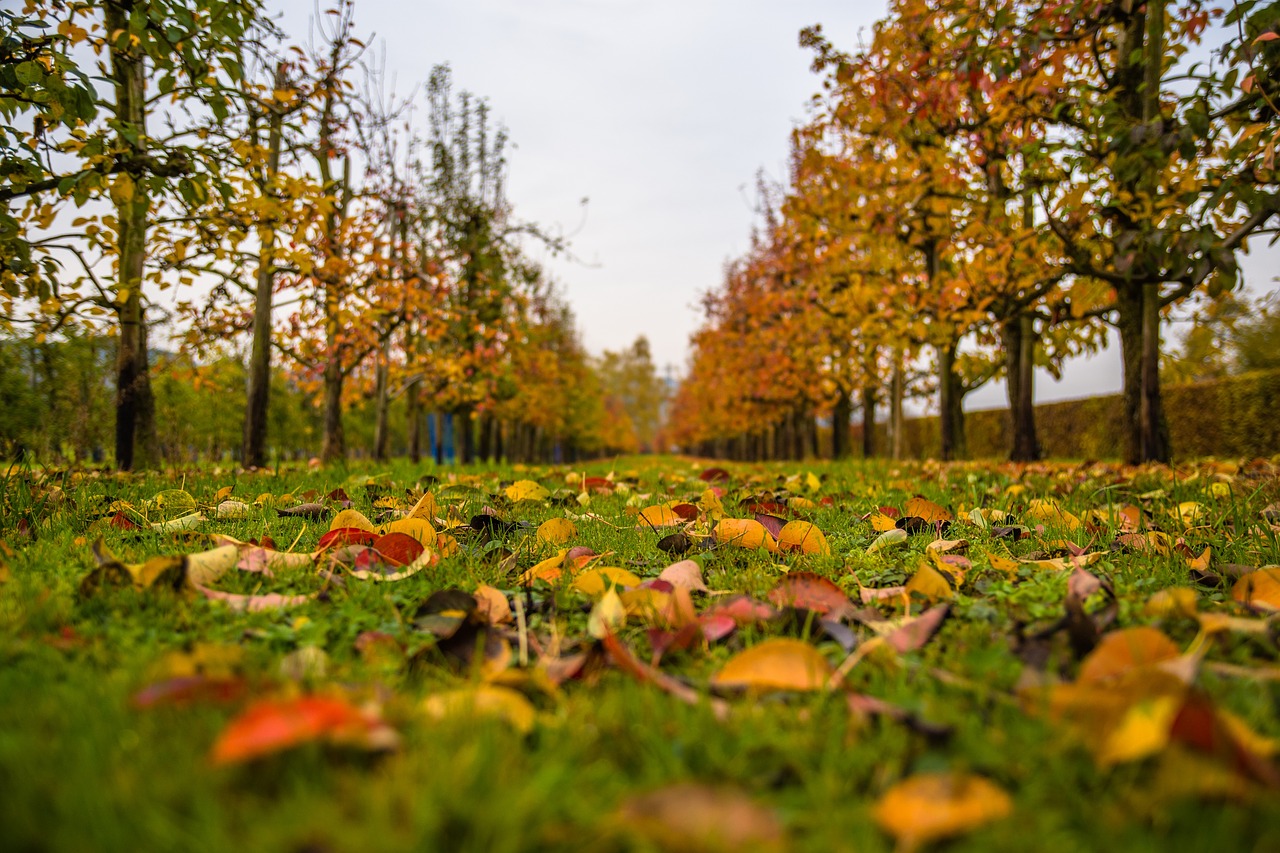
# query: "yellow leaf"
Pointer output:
{"type": "Point", "coordinates": [607, 616]}
{"type": "Point", "coordinates": [351, 518]}
{"type": "Point", "coordinates": [1143, 731]}
{"type": "Point", "coordinates": [549, 569]}
{"type": "Point", "coordinates": [557, 531]}
{"type": "Point", "coordinates": [596, 581]}
{"type": "Point", "coordinates": [803, 537]}
{"type": "Point", "coordinates": [1048, 512]}
{"type": "Point", "coordinates": [418, 528]}
{"type": "Point", "coordinates": [881, 522]}
{"type": "Point", "coordinates": [930, 806]}
{"type": "Point", "coordinates": [1190, 513]}
{"type": "Point", "coordinates": [485, 700]}
{"type": "Point", "coordinates": [526, 490]}
{"type": "Point", "coordinates": [1175, 601]}
{"type": "Point", "coordinates": [1003, 564]}
{"type": "Point", "coordinates": [929, 582]}
{"type": "Point", "coordinates": [426, 508]}
{"type": "Point", "coordinates": [778, 664]}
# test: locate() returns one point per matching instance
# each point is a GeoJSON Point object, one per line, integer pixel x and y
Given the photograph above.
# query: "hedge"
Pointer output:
{"type": "Point", "coordinates": [1238, 416]}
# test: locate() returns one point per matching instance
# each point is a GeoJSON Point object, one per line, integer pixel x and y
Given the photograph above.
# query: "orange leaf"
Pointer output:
{"type": "Point", "coordinates": [937, 805]}
{"type": "Point", "coordinates": [926, 509]}
{"type": "Point", "coordinates": [1260, 589]}
{"type": "Point", "coordinates": [273, 725]}
{"type": "Point", "coordinates": [1121, 652]}
{"type": "Point", "coordinates": [804, 537]}
{"type": "Point", "coordinates": [777, 664]}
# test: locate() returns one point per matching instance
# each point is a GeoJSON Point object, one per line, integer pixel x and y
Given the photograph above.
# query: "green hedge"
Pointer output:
{"type": "Point", "coordinates": [1234, 417]}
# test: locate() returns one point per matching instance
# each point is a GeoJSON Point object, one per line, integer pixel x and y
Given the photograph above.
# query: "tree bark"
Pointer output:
{"type": "Point", "coordinates": [868, 422]}
{"type": "Point", "coordinates": [382, 399]}
{"type": "Point", "coordinates": [1019, 345]}
{"type": "Point", "coordinates": [951, 401]}
{"type": "Point", "coordinates": [841, 414]}
{"type": "Point", "coordinates": [1153, 436]}
{"type": "Point", "coordinates": [1129, 327]}
{"type": "Point", "coordinates": [413, 415]}
{"type": "Point", "coordinates": [334, 447]}
{"type": "Point", "coordinates": [897, 390]}
{"type": "Point", "coordinates": [253, 451]}
{"type": "Point", "coordinates": [464, 434]}
{"type": "Point", "coordinates": [135, 404]}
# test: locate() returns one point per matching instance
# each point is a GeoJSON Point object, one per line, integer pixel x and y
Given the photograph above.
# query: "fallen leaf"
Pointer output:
{"type": "Point", "coordinates": [692, 817]}
{"type": "Point", "coordinates": [657, 517]}
{"type": "Point", "coordinates": [557, 531]}
{"type": "Point", "coordinates": [485, 701]}
{"type": "Point", "coordinates": [930, 806]}
{"type": "Point", "coordinates": [744, 533]}
{"type": "Point", "coordinates": [526, 490]}
{"type": "Point", "coordinates": [685, 574]}
{"type": "Point", "coordinates": [351, 518]}
{"type": "Point", "coordinates": [1259, 590]}
{"type": "Point", "coordinates": [1121, 652]}
{"type": "Point", "coordinates": [809, 591]}
{"type": "Point", "coordinates": [890, 537]}
{"type": "Point", "coordinates": [272, 725]}
{"type": "Point", "coordinates": [781, 663]}
{"type": "Point", "coordinates": [804, 537]}
{"type": "Point", "coordinates": [595, 582]}
{"type": "Point", "coordinates": [923, 508]}
{"type": "Point", "coordinates": [607, 616]}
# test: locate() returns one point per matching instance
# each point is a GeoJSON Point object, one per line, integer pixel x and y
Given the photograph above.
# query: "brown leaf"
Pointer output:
{"type": "Point", "coordinates": [918, 631]}
{"type": "Point", "coordinates": [691, 817]}
{"type": "Point", "coordinates": [808, 591]}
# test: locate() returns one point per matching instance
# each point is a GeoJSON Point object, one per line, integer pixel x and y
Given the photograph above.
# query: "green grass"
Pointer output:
{"type": "Point", "coordinates": [81, 769]}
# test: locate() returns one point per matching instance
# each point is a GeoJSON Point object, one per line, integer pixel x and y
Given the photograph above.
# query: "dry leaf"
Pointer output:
{"type": "Point", "coordinates": [777, 664]}
{"type": "Point", "coordinates": [930, 806]}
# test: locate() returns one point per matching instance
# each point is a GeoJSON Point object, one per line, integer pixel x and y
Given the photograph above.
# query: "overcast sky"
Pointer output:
{"type": "Point", "coordinates": [658, 111]}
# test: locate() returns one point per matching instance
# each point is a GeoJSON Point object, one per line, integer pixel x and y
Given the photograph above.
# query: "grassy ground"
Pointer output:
{"type": "Point", "coordinates": [82, 768]}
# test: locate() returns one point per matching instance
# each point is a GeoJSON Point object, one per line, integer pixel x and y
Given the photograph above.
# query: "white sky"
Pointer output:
{"type": "Point", "coordinates": [661, 112]}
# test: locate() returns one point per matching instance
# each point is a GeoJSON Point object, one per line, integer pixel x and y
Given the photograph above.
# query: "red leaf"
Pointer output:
{"type": "Point", "coordinates": [190, 690]}
{"type": "Point", "coordinates": [399, 549]}
{"type": "Point", "coordinates": [347, 536]}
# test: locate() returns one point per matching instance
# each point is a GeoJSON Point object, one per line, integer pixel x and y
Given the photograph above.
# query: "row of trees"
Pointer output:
{"type": "Point", "coordinates": [982, 188]}
{"type": "Point", "coordinates": [350, 242]}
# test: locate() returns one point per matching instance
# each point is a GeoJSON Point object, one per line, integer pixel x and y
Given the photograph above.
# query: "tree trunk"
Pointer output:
{"type": "Point", "coordinates": [413, 416]}
{"type": "Point", "coordinates": [486, 437]}
{"type": "Point", "coordinates": [1153, 429]}
{"type": "Point", "coordinates": [868, 422]}
{"type": "Point", "coordinates": [135, 405]}
{"type": "Point", "coordinates": [382, 399]}
{"type": "Point", "coordinates": [253, 451]}
{"type": "Point", "coordinates": [464, 434]}
{"type": "Point", "coordinates": [897, 390]}
{"type": "Point", "coordinates": [841, 414]}
{"type": "Point", "coordinates": [1019, 344]}
{"type": "Point", "coordinates": [334, 448]}
{"type": "Point", "coordinates": [1129, 327]}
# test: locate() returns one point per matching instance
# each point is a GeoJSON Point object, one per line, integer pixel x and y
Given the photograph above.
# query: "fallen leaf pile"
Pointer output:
{"type": "Point", "coordinates": [1108, 605]}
